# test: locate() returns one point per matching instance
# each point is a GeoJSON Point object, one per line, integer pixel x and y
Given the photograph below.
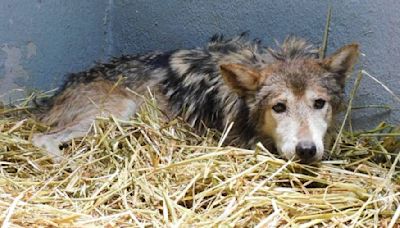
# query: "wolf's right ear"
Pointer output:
{"type": "Point", "coordinates": [342, 61]}
{"type": "Point", "coordinates": [241, 78]}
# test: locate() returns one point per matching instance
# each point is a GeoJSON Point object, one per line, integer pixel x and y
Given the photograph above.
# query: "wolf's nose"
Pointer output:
{"type": "Point", "coordinates": [306, 151]}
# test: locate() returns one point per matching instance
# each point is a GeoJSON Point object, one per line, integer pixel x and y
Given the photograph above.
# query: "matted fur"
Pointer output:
{"type": "Point", "coordinates": [209, 87]}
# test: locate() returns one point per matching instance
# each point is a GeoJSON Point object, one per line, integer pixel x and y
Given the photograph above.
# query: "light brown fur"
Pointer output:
{"type": "Point", "coordinates": [76, 108]}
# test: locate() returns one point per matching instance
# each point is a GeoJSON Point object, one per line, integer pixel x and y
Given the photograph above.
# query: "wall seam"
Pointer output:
{"type": "Point", "coordinates": [108, 39]}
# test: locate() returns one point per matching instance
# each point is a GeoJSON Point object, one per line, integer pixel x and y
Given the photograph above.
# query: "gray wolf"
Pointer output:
{"type": "Point", "coordinates": [285, 98]}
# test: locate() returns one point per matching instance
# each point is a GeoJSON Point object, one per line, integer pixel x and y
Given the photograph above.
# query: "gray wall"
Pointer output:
{"type": "Point", "coordinates": [42, 40]}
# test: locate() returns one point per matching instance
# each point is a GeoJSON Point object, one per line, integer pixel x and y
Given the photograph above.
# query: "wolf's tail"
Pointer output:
{"type": "Point", "coordinates": [40, 106]}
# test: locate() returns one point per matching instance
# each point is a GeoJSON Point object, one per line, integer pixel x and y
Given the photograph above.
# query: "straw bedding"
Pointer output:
{"type": "Point", "coordinates": [153, 173]}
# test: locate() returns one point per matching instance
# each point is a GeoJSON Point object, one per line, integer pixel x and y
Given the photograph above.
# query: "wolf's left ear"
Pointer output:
{"type": "Point", "coordinates": [342, 61]}
{"type": "Point", "coordinates": [241, 78]}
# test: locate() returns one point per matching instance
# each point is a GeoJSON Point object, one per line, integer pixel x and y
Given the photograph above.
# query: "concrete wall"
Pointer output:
{"type": "Point", "coordinates": [51, 37]}
{"type": "Point", "coordinates": [41, 40]}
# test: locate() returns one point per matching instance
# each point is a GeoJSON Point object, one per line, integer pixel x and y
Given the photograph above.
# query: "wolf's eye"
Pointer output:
{"type": "Point", "coordinates": [279, 108]}
{"type": "Point", "coordinates": [319, 103]}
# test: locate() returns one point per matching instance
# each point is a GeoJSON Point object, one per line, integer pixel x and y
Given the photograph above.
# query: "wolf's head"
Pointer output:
{"type": "Point", "coordinates": [293, 99]}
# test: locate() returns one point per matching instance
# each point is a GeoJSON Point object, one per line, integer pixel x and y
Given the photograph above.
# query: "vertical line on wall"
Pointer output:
{"type": "Point", "coordinates": [108, 36]}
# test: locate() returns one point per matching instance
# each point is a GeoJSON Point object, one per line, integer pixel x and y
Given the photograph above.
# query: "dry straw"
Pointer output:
{"type": "Point", "coordinates": [148, 172]}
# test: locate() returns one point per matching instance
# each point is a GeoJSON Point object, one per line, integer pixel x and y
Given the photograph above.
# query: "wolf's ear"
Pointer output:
{"type": "Point", "coordinates": [342, 61]}
{"type": "Point", "coordinates": [241, 78]}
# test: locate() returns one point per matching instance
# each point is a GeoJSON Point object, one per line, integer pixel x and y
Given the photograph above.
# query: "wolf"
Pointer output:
{"type": "Point", "coordinates": [286, 98]}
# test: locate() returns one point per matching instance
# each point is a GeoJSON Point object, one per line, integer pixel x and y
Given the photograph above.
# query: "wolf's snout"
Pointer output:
{"type": "Point", "coordinates": [306, 151]}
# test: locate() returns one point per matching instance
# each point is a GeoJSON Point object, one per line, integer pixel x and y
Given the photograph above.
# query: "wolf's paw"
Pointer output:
{"type": "Point", "coordinates": [50, 145]}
